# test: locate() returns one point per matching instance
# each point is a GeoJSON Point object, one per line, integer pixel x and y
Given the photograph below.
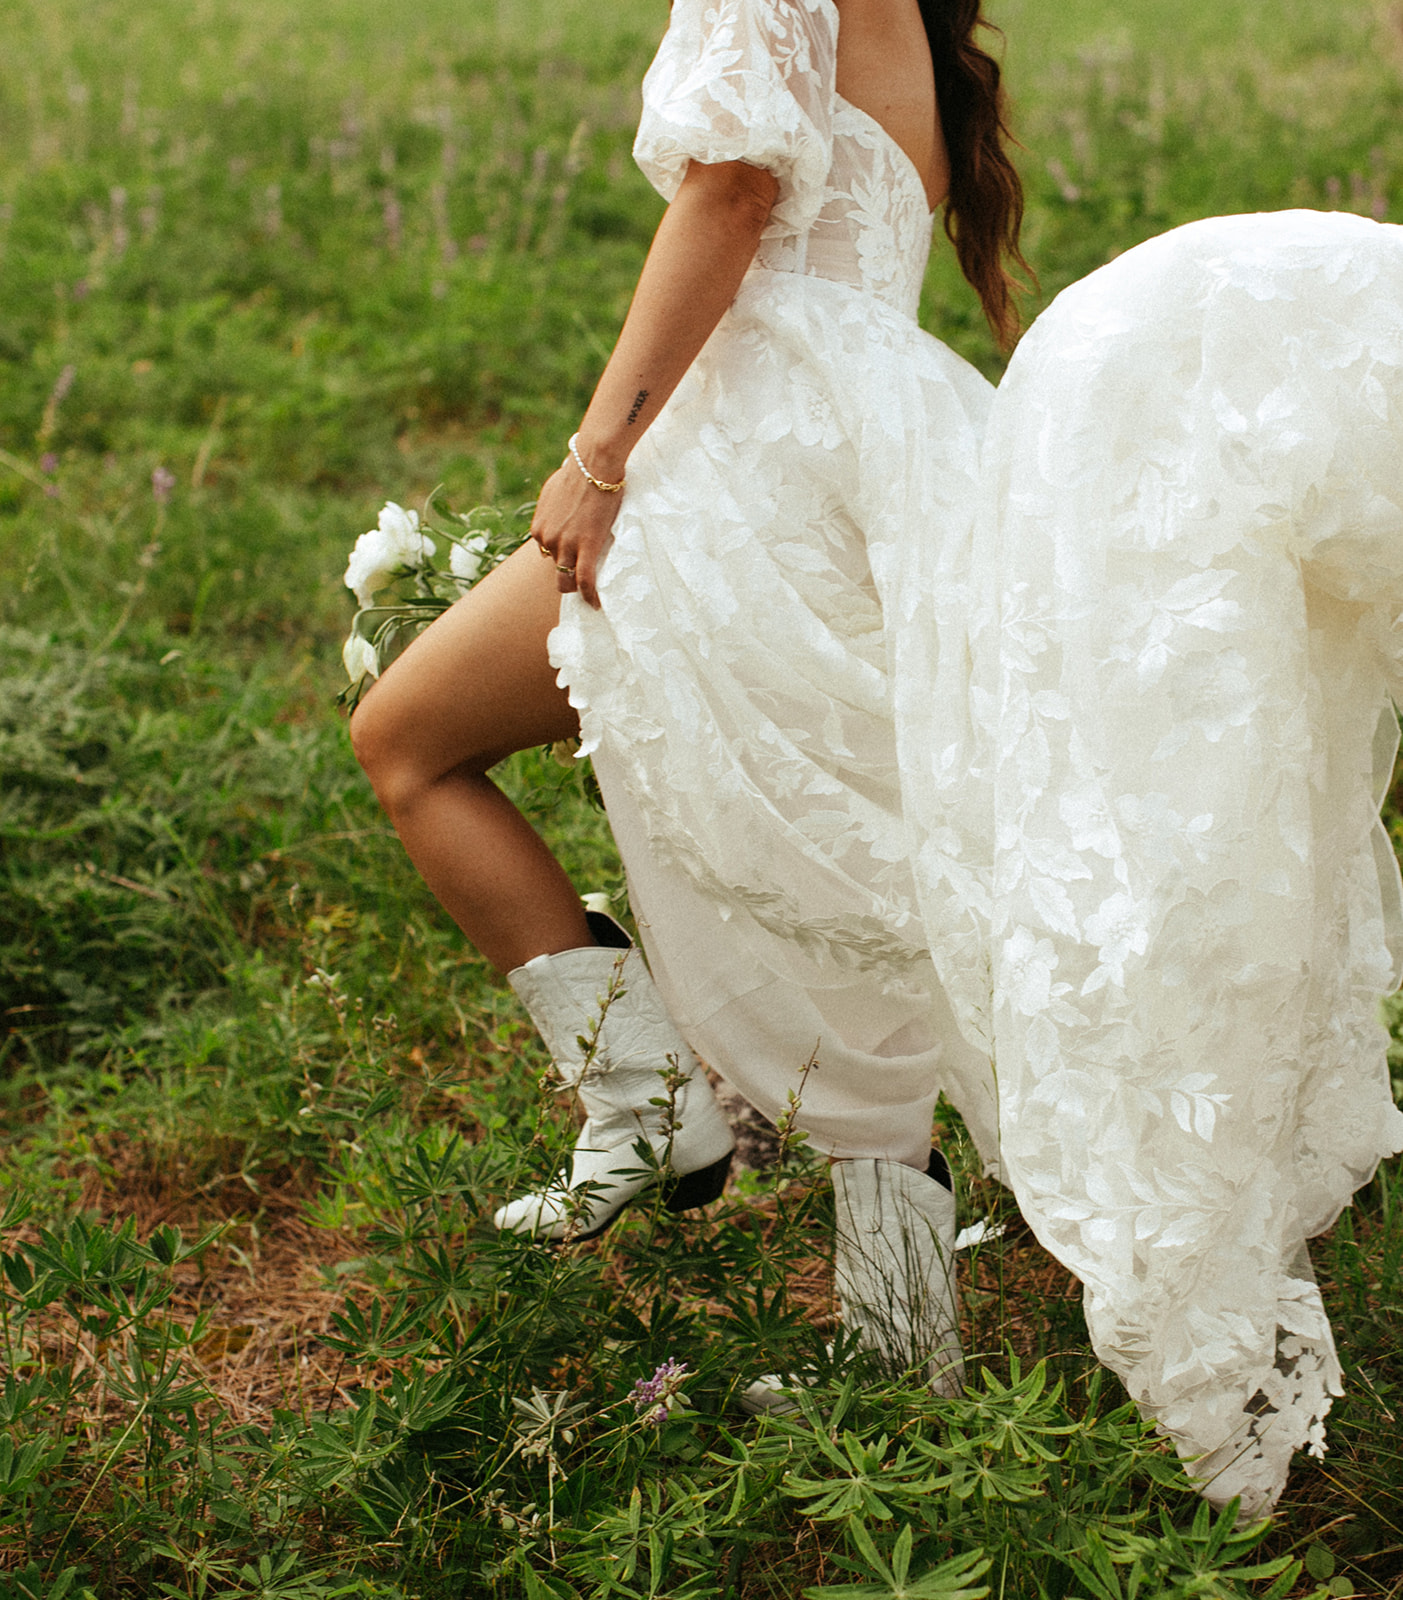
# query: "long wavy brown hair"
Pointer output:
{"type": "Point", "coordinates": [984, 209]}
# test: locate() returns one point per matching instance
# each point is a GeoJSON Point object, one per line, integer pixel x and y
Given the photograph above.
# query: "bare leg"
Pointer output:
{"type": "Point", "coordinates": [472, 689]}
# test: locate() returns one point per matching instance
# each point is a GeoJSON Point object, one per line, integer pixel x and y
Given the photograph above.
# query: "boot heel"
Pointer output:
{"type": "Point", "coordinates": [698, 1188]}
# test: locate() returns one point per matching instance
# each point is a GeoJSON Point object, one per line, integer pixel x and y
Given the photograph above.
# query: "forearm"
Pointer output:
{"type": "Point", "coordinates": [700, 254]}
{"type": "Point", "coordinates": [701, 251]}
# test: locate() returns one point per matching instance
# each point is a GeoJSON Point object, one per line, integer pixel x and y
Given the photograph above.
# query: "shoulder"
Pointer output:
{"type": "Point", "coordinates": [711, 40]}
{"type": "Point", "coordinates": [779, 19]}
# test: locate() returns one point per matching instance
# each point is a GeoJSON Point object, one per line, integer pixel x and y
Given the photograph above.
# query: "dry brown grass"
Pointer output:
{"type": "Point", "coordinates": [271, 1282]}
{"type": "Point", "coordinates": [268, 1286]}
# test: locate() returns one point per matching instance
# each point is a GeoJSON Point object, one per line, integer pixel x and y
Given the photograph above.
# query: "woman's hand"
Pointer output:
{"type": "Point", "coordinates": [572, 526]}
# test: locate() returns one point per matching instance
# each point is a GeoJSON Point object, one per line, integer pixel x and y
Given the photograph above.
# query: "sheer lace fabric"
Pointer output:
{"type": "Point", "coordinates": [1194, 513]}
{"type": "Point", "coordinates": [1027, 747]}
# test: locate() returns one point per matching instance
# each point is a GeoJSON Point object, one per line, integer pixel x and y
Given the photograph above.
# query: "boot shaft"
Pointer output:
{"type": "Point", "coordinates": [599, 1014]}
{"type": "Point", "coordinates": [894, 1267]}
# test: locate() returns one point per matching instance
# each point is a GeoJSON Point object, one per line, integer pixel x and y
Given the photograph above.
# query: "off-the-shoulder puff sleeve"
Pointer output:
{"type": "Point", "coordinates": [744, 80]}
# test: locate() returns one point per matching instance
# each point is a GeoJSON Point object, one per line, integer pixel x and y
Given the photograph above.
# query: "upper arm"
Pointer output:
{"type": "Point", "coordinates": [733, 188]}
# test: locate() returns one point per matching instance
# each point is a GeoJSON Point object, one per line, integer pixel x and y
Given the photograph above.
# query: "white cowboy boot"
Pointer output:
{"type": "Point", "coordinates": [613, 1043]}
{"type": "Point", "coordinates": [894, 1267]}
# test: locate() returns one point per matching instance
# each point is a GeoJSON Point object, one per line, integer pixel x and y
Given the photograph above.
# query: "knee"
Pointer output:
{"type": "Point", "coordinates": [379, 744]}
{"type": "Point", "coordinates": [402, 760]}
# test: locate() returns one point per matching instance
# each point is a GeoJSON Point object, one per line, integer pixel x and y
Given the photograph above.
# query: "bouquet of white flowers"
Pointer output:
{"type": "Point", "coordinates": [399, 555]}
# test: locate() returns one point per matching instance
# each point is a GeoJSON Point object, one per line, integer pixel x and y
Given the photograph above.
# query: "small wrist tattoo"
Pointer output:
{"type": "Point", "coordinates": [639, 401]}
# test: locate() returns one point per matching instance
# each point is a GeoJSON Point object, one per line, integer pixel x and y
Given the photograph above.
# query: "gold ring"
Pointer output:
{"type": "Point", "coordinates": [569, 571]}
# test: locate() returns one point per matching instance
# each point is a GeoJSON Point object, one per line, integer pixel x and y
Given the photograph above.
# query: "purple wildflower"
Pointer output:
{"type": "Point", "coordinates": [48, 462]}
{"type": "Point", "coordinates": [652, 1395]}
{"type": "Point", "coordinates": [162, 482]}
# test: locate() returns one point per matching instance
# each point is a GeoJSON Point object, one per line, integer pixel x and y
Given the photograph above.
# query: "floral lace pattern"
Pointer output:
{"type": "Point", "coordinates": [1076, 696]}
{"type": "Point", "coordinates": [873, 229]}
{"type": "Point", "coordinates": [739, 81]}
{"type": "Point", "coordinates": [1193, 513]}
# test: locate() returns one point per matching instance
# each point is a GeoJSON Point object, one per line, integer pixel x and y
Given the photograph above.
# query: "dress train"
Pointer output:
{"type": "Point", "coordinates": [1194, 513]}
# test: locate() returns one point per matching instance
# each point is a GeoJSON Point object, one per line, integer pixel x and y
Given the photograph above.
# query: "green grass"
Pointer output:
{"type": "Point", "coordinates": [305, 259]}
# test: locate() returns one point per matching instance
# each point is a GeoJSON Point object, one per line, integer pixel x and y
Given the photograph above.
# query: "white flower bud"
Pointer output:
{"type": "Point", "coordinates": [465, 560]}
{"type": "Point", "coordinates": [358, 658]}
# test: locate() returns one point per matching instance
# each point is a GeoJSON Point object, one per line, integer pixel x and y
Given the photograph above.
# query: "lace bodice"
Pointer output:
{"type": "Point", "coordinates": [874, 229]}
{"type": "Point", "coordinates": [739, 82]}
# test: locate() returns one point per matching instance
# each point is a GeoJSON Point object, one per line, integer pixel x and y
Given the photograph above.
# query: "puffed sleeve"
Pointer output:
{"type": "Point", "coordinates": [744, 80]}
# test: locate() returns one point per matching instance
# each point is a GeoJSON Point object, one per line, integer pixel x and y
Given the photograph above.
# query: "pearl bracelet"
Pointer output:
{"type": "Point", "coordinates": [599, 483]}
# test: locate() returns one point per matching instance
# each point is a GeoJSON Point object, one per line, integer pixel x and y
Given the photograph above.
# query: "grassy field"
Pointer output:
{"type": "Point", "coordinates": [257, 1099]}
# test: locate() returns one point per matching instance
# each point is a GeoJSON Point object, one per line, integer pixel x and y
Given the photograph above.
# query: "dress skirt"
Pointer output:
{"type": "Point", "coordinates": [1028, 747]}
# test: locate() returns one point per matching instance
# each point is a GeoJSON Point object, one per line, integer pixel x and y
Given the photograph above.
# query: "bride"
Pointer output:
{"type": "Point", "coordinates": [1021, 747]}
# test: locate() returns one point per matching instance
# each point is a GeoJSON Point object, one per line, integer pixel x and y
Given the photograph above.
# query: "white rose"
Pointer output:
{"type": "Point", "coordinates": [358, 658]}
{"type": "Point", "coordinates": [465, 560]}
{"type": "Point", "coordinates": [382, 552]}
{"type": "Point", "coordinates": [370, 566]}
{"type": "Point", "coordinates": [401, 528]}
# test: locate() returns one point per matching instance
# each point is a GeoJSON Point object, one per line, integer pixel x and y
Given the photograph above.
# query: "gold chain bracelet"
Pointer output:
{"type": "Point", "coordinates": [599, 483]}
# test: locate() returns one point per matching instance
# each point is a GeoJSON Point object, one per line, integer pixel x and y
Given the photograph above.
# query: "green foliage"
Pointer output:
{"type": "Point", "coordinates": [492, 1431]}
{"type": "Point", "coordinates": [302, 260]}
{"type": "Point", "coordinates": [1181, 1563]}
{"type": "Point", "coordinates": [489, 1437]}
{"type": "Point", "coordinates": [948, 1581]}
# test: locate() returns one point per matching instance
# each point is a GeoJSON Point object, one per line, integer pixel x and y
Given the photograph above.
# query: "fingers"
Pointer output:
{"type": "Point", "coordinates": [544, 542]}
{"type": "Point", "coordinates": [571, 530]}
{"type": "Point", "coordinates": [557, 552]}
{"type": "Point", "coordinates": [584, 579]}
{"type": "Point", "coordinates": [550, 524]}
{"type": "Point", "coordinates": [576, 574]}
{"type": "Point", "coordinates": [577, 562]}
{"type": "Point", "coordinates": [550, 548]}
{"type": "Point", "coordinates": [546, 523]}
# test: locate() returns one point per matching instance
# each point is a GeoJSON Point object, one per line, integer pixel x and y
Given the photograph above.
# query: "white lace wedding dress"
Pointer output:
{"type": "Point", "coordinates": [1027, 747]}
